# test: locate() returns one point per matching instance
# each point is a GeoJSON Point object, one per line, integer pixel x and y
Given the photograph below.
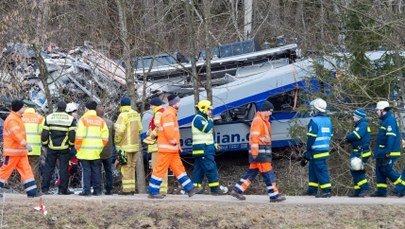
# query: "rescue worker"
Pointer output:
{"type": "Point", "coordinates": [58, 136]}
{"type": "Point", "coordinates": [169, 152]}
{"type": "Point", "coordinates": [204, 149]}
{"type": "Point", "coordinates": [33, 123]}
{"type": "Point", "coordinates": [15, 150]}
{"type": "Point", "coordinates": [319, 135]}
{"type": "Point", "coordinates": [152, 135]}
{"type": "Point", "coordinates": [259, 155]}
{"type": "Point", "coordinates": [387, 151]}
{"type": "Point", "coordinates": [91, 138]}
{"type": "Point", "coordinates": [128, 127]}
{"type": "Point", "coordinates": [360, 141]}
{"type": "Point", "coordinates": [106, 155]}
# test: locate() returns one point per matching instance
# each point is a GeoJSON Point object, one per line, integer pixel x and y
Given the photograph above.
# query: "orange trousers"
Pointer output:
{"type": "Point", "coordinates": [166, 161]}
{"type": "Point", "coordinates": [23, 167]}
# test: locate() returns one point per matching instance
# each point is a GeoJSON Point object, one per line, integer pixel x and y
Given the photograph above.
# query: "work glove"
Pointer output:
{"type": "Point", "coordinates": [303, 162]}
{"type": "Point", "coordinates": [28, 147]}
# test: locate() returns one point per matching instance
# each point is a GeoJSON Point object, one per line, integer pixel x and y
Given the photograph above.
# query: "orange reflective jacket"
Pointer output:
{"type": "Point", "coordinates": [260, 135]}
{"type": "Point", "coordinates": [14, 136]}
{"type": "Point", "coordinates": [169, 133]}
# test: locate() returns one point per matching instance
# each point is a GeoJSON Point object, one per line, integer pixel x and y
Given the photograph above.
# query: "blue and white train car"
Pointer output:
{"type": "Point", "coordinates": [236, 103]}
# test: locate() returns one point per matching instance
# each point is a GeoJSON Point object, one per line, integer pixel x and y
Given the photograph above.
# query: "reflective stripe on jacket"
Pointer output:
{"type": "Point", "coordinates": [169, 133]}
{"type": "Point", "coordinates": [14, 136]}
{"type": "Point", "coordinates": [201, 129]}
{"type": "Point", "coordinates": [128, 127]}
{"type": "Point", "coordinates": [154, 125]}
{"type": "Point", "coordinates": [388, 138]}
{"type": "Point", "coordinates": [360, 138]}
{"type": "Point", "coordinates": [260, 139]}
{"type": "Point", "coordinates": [59, 131]}
{"type": "Point", "coordinates": [91, 136]}
{"type": "Point", "coordinates": [33, 123]}
{"type": "Point", "coordinates": [324, 135]}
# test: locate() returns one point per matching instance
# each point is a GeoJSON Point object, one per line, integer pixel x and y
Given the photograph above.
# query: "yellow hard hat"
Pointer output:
{"type": "Point", "coordinates": [204, 105]}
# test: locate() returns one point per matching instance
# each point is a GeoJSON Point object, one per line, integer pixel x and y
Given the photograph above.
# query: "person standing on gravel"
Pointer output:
{"type": "Point", "coordinates": [204, 149]}
{"type": "Point", "coordinates": [259, 156]}
{"type": "Point", "coordinates": [168, 152]}
{"type": "Point", "coordinates": [360, 141]}
{"type": "Point", "coordinates": [386, 151]}
{"type": "Point", "coordinates": [58, 136]}
{"type": "Point", "coordinates": [319, 135]}
{"type": "Point", "coordinates": [34, 123]}
{"type": "Point", "coordinates": [91, 137]}
{"type": "Point", "coordinates": [152, 136]}
{"type": "Point", "coordinates": [128, 127]}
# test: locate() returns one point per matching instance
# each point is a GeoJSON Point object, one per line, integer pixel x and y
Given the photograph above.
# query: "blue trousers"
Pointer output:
{"type": "Point", "coordinates": [383, 170]}
{"type": "Point", "coordinates": [205, 166]}
{"type": "Point", "coordinates": [359, 177]}
{"type": "Point", "coordinates": [318, 176]}
{"type": "Point", "coordinates": [91, 175]}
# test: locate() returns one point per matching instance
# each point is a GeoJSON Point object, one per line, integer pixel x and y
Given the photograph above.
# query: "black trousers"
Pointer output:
{"type": "Point", "coordinates": [107, 164]}
{"type": "Point", "coordinates": [51, 158]}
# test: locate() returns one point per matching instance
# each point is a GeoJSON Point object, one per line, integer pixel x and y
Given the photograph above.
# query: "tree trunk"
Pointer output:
{"type": "Point", "coordinates": [191, 42]}
{"type": "Point", "coordinates": [38, 41]}
{"type": "Point", "coordinates": [207, 19]}
{"type": "Point", "coordinates": [131, 90]}
{"type": "Point", "coordinates": [248, 18]}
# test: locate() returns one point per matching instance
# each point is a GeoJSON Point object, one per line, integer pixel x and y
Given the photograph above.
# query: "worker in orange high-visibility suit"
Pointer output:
{"type": "Point", "coordinates": [168, 152]}
{"type": "Point", "coordinates": [15, 150]}
{"type": "Point", "coordinates": [259, 156]}
{"type": "Point", "coordinates": [34, 123]}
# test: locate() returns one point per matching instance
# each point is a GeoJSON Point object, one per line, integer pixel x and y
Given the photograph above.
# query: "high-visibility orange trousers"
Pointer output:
{"type": "Point", "coordinates": [167, 160]}
{"type": "Point", "coordinates": [23, 167]}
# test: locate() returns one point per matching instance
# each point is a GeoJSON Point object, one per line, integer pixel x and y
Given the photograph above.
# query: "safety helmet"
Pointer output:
{"type": "Point", "coordinates": [204, 105]}
{"type": "Point", "coordinates": [319, 104]}
{"type": "Point", "coordinates": [381, 105]}
{"type": "Point", "coordinates": [70, 107]}
{"type": "Point", "coordinates": [356, 164]}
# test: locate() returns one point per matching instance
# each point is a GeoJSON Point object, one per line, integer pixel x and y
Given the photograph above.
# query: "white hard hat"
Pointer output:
{"type": "Point", "coordinates": [319, 104]}
{"type": "Point", "coordinates": [382, 105]}
{"type": "Point", "coordinates": [356, 164]}
{"type": "Point", "coordinates": [70, 107]}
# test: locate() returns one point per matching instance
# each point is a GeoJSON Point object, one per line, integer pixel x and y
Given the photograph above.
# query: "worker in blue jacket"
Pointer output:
{"type": "Point", "coordinates": [204, 149]}
{"type": "Point", "coordinates": [359, 138]}
{"type": "Point", "coordinates": [387, 151]}
{"type": "Point", "coordinates": [319, 135]}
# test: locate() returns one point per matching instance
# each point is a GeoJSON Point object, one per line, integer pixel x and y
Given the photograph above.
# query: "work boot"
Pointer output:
{"type": "Point", "coordinates": [308, 193]}
{"type": "Point", "coordinates": [37, 194]}
{"type": "Point", "coordinates": [87, 194]}
{"type": "Point", "coordinates": [194, 191]}
{"type": "Point", "coordinates": [324, 195]}
{"type": "Point", "coordinates": [47, 192]}
{"type": "Point", "coordinates": [378, 194]}
{"type": "Point", "coordinates": [363, 193]}
{"type": "Point", "coordinates": [155, 196]}
{"type": "Point", "coordinates": [354, 194]}
{"type": "Point", "coordinates": [218, 192]}
{"type": "Point", "coordinates": [279, 198]}
{"type": "Point", "coordinates": [237, 195]}
{"type": "Point", "coordinates": [68, 192]}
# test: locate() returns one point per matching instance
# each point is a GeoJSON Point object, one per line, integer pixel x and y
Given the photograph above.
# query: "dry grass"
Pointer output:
{"type": "Point", "coordinates": [66, 213]}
